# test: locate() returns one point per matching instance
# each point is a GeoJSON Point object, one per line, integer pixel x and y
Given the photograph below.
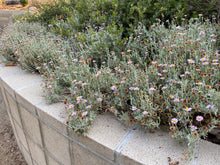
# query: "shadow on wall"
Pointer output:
{"type": "Point", "coordinates": [3, 113]}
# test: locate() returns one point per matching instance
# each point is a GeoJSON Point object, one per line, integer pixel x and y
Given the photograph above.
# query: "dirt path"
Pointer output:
{"type": "Point", "coordinates": [9, 151]}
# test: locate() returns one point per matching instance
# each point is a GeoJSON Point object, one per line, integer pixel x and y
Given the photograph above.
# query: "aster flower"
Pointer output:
{"type": "Point", "coordinates": [98, 73]}
{"type": "Point", "coordinates": [190, 61]}
{"type": "Point", "coordinates": [199, 118]}
{"type": "Point", "coordinates": [49, 86]}
{"type": "Point", "coordinates": [174, 120]}
{"type": "Point", "coordinates": [178, 27]}
{"type": "Point", "coordinates": [85, 113]}
{"type": "Point", "coordinates": [187, 72]}
{"type": "Point", "coordinates": [151, 90]}
{"type": "Point", "coordinates": [199, 83]}
{"type": "Point", "coordinates": [131, 88]}
{"type": "Point", "coordinates": [136, 89]}
{"type": "Point", "coordinates": [145, 113]}
{"type": "Point", "coordinates": [84, 84]}
{"type": "Point", "coordinates": [187, 109]}
{"type": "Point", "coordinates": [84, 101]}
{"type": "Point", "coordinates": [73, 114]}
{"type": "Point", "coordinates": [201, 32]}
{"type": "Point", "coordinates": [129, 62]}
{"type": "Point", "coordinates": [79, 98]}
{"type": "Point", "coordinates": [99, 99]}
{"type": "Point", "coordinates": [203, 59]}
{"type": "Point", "coordinates": [216, 60]}
{"type": "Point", "coordinates": [176, 100]}
{"type": "Point", "coordinates": [113, 88]}
{"type": "Point", "coordinates": [193, 127]}
{"type": "Point", "coordinates": [88, 107]}
{"type": "Point", "coordinates": [163, 88]}
{"type": "Point", "coordinates": [133, 108]}
{"type": "Point", "coordinates": [205, 63]}
{"type": "Point", "coordinates": [209, 106]}
{"type": "Point", "coordinates": [215, 63]}
{"type": "Point", "coordinates": [71, 106]}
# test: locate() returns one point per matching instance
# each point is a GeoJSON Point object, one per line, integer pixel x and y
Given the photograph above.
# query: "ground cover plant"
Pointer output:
{"type": "Point", "coordinates": [163, 74]}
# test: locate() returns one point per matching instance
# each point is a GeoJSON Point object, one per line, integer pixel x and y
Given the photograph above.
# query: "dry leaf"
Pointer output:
{"type": "Point", "coordinates": [11, 64]}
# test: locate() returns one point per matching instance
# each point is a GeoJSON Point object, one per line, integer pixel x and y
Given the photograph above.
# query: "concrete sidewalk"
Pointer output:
{"type": "Point", "coordinates": [5, 16]}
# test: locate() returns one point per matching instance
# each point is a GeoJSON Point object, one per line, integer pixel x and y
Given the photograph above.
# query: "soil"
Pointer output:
{"type": "Point", "coordinates": [9, 151]}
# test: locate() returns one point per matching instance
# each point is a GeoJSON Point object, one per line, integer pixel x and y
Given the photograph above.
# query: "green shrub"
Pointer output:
{"type": "Point", "coordinates": [208, 8]}
{"type": "Point", "coordinates": [82, 13]}
{"type": "Point", "coordinates": [23, 2]}
{"type": "Point", "coordinates": [79, 14]}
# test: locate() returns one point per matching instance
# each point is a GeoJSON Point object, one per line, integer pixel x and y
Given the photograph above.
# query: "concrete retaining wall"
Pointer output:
{"type": "Point", "coordinates": [44, 139]}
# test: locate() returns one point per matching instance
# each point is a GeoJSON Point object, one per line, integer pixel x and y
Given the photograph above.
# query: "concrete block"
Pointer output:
{"type": "Point", "coordinates": [31, 125]}
{"type": "Point", "coordinates": [9, 71]}
{"type": "Point", "coordinates": [21, 136]}
{"type": "Point", "coordinates": [152, 149]}
{"type": "Point", "coordinates": [85, 157]}
{"type": "Point", "coordinates": [51, 161]}
{"type": "Point", "coordinates": [37, 153]}
{"type": "Point", "coordinates": [56, 144]}
{"type": "Point", "coordinates": [26, 155]}
{"type": "Point", "coordinates": [209, 153]}
{"type": "Point", "coordinates": [54, 114]}
{"type": "Point", "coordinates": [4, 19]}
{"type": "Point", "coordinates": [104, 136]}
{"type": "Point", "coordinates": [30, 96]}
{"type": "Point", "coordinates": [13, 109]}
{"type": "Point", "coordinates": [24, 79]}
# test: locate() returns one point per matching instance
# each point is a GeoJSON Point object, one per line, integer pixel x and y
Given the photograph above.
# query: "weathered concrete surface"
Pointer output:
{"type": "Point", "coordinates": [5, 16]}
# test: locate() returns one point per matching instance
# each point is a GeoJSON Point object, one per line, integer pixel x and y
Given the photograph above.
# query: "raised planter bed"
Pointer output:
{"type": "Point", "coordinates": [44, 138]}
